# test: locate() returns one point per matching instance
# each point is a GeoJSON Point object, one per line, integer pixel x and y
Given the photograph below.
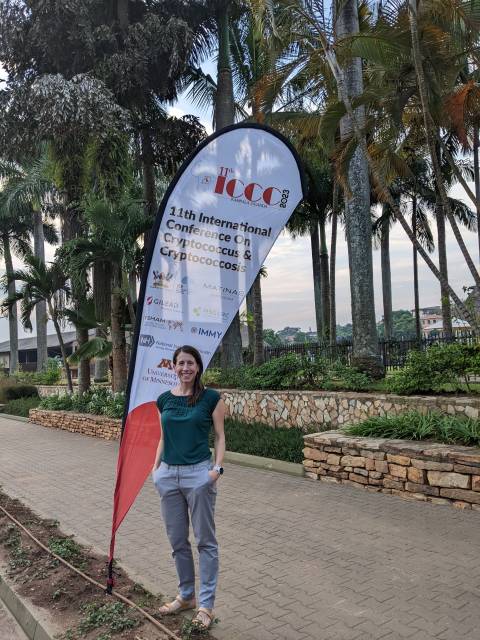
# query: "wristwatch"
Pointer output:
{"type": "Point", "coordinates": [217, 468]}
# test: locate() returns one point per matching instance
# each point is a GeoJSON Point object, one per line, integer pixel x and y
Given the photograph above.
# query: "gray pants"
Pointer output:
{"type": "Point", "coordinates": [188, 490]}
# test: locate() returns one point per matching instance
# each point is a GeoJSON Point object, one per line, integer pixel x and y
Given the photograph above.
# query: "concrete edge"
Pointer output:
{"type": "Point", "coordinates": [10, 417]}
{"type": "Point", "coordinates": [268, 464]}
{"type": "Point", "coordinates": [32, 628]}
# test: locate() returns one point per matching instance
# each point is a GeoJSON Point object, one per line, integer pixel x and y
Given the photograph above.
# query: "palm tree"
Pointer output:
{"type": "Point", "coordinates": [432, 133]}
{"type": "Point", "coordinates": [42, 283]}
{"type": "Point", "coordinates": [15, 237]}
{"type": "Point", "coordinates": [28, 190]}
{"type": "Point", "coordinates": [395, 49]}
{"type": "Point", "coordinates": [114, 229]}
{"type": "Point", "coordinates": [357, 209]}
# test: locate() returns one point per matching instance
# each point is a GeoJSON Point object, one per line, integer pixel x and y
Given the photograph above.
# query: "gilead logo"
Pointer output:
{"type": "Point", "coordinates": [253, 192]}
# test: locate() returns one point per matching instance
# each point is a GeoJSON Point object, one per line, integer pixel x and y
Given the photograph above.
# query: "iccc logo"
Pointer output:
{"type": "Point", "coordinates": [253, 192]}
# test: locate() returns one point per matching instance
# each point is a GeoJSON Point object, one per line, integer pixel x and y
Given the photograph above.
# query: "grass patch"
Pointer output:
{"type": "Point", "coordinates": [114, 616]}
{"type": "Point", "coordinates": [261, 440]}
{"type": "Point", "coordinates": [69, 550]}
{"type": "Point", "coordinates": [21, 406]}
{"type": "Point", "coordinates": [417, 426]}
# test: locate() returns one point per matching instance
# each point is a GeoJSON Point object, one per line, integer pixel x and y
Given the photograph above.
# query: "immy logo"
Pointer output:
{"type": "Point", "coordinates": [209, 333]}
{"type": "Point", "coordinates": [252, 192]}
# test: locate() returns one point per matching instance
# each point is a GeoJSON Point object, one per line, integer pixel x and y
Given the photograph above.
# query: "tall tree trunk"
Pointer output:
{"type": "Point", "coordinates": [418, 326]}
{"type": "Point", "coordinates": [12, 311]}
{"type": "Point", "coordinates": [333, 257]}
{"type": "Point", "coordinates": [118, 334]}
{"type": "Point", "coordinates": [224, 100]}
{"type": "Point", "coordinates": [381, 186]}
{"type": "Point", "coordinates": [231, 350]}
{"type": "Point", "coordinates": [250, 316]}
{"type": "Point", "coordinates": [72, 228]}
{"type": "Point", "coordinates": [63, 351]}
{"type": "Point", "coordinates": [317, 274]}
{"type": "Point", "coordinates": [443, 266]}
{"type": "Point", "coordinates": [476, 171]}
{"type": "Point", "coordinates": [41, 308]}
{"type": "Point", "coordinates": [432, 133]}
{"type": "Point", "coordinates": [258, 357]}
{"type": "Point", "coordinates": [357, 214]}
{"type": "Point", "coordinates": [148, 177]}
{"type": "Point", "coordinates": [324, 281]}
{"type": "Point", "coordinates": [102, 296]}
{"type": "Point", "coordinates": [386, 278]}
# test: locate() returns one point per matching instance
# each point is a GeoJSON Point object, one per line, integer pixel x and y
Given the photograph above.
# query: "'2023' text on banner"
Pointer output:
{"type": "Point", "coordinates": [216, 225]}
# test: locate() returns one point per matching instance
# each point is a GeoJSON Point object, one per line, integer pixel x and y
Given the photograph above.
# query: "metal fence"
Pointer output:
{"type": "Point", "coordinates": [393, 352]}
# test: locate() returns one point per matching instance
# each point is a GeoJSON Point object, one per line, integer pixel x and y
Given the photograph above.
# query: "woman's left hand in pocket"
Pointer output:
{"type": "Point", "coordinates": [214, 475]}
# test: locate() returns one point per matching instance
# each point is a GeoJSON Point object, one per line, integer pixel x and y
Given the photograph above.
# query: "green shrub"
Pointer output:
{"type": "Point", "coordinates": [99, 401]}
{"type": "Point", "coordinates": [418, 426]}
{"type": "Point", "coordinates": [436, 368]}
{"type": "Point", "coordinates": [291, 372]}
{"type": "Point", "coordinates": [11, 390]}
{"type": "Point", "coordinates": [21, 406]}
{"type": "Point", "coordinates": [261, 440]}
{"type": "Point", "coordinates": [51, 375]}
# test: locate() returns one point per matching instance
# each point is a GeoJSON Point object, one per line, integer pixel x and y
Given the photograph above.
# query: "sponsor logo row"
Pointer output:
{"type": "Point", "coordinates": [147, 340]}
{"type": "Point", "coordinates": [173, 306]}
{"type": "Point", "coordinates": [166, 280]}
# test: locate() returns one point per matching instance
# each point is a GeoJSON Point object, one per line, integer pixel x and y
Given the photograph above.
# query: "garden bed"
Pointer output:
{"type": "Point", "coordinates": [424, 471]}
{"type": "Point", "coordinates": [76, 607]}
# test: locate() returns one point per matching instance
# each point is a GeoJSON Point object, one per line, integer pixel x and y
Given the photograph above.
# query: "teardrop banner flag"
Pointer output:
{"type": "Point", "coordinates": [215, 227]}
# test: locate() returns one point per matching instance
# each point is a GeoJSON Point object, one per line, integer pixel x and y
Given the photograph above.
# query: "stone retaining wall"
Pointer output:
{"type": "Point", "coordinates": [329, 409]}
{"type": "Point", "coordinates": [86, 423]}
{"type": "Point", "coordinates": [431, 472]}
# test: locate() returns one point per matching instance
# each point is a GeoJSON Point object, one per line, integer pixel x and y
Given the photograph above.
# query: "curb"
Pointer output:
{"type": "Point", "coordinates": [243, 459]}
{"type": "Point", "coordinates": [267, 464]}
{"type": "Point", "coordinates": [33, 629]}
{"type": "Point", "coordinates": [10, 417]}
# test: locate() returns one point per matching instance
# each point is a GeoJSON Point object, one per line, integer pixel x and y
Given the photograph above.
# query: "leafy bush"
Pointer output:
{"type": "Point", "coordinates": [417, 426]}
{"type": "Point", "coordinates": [51, 375]}
{"type": "Point", "coordinates": [291, 372]}
{"type": "Point", "coordinates": [99, 401]}
{"type": "Point", "coordinates": [435, 368]}
{"type": "Point", "coordinates": [11, 390]}
{"type": "Point", "coordinates": [261, 440]}
{"type": "Point", "coordinates": [21, 406]}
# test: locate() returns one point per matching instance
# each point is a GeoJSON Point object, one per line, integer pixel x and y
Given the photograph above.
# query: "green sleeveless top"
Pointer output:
{"type": "Point", "coordinates": [186, 428]}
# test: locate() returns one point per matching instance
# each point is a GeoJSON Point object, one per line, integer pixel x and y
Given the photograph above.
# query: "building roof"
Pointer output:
{"type": "Point", "coordinates": [25, 344]}
{"type": "Point", "coordinates": [456, 324]}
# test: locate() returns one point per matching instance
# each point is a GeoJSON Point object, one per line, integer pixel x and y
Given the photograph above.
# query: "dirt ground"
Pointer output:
{"type": "Point", "coordinates": [80, 609]}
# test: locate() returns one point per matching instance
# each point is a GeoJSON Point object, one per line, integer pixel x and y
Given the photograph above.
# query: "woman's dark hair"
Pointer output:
{"type": "Point", "coordinates": [197, 384]}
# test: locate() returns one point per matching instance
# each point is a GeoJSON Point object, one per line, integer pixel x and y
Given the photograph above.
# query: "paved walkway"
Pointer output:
{"type": "Point", "coordinates": [300, 560]}
{"type": "Point", "coordinates": [9, 628]}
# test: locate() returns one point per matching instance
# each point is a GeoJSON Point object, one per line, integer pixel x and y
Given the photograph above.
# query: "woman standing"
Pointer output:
{"type": "Point", "coordinates": [186, 480]}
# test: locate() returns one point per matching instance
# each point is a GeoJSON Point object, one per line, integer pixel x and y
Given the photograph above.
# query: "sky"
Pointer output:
{"type": "Point", "coordinates": [288, 288]}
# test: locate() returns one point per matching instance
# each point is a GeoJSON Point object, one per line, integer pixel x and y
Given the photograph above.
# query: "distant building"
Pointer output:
{"type": "Point", "coordinates": [457, 326]}
{"type": "Point", "coordinates": [429, 316]}
{"type": "Point", "coordinates": [27, 350]}
{"type": "Point", "coordinates": [288, 334]}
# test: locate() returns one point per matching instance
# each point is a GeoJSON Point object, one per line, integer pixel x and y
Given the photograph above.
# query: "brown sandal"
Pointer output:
{"type": "Point", "coordinates": [206, 615]}
{"type": "Point", "coordinates": [177, 605]}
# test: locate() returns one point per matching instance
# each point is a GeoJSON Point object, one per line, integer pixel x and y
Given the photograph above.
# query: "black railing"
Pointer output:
{"type": "Point", "coordinates": [393, 352]}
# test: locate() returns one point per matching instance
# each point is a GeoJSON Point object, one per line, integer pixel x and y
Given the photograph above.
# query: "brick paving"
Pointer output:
{"type": "Point", "coordinates": [300, 560]}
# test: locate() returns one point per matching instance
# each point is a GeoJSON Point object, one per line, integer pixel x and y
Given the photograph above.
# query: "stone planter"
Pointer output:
{"type": "Point", "coordinates": [330, 409]}
{"type": "Point", "coordinates": [86, 423]}
{"type": "Point", "coordinates": [429, 472]}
